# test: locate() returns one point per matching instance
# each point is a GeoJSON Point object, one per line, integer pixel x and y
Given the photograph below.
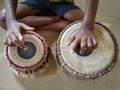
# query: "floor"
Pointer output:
{"type": "Point", "coordinates": [54, 78]}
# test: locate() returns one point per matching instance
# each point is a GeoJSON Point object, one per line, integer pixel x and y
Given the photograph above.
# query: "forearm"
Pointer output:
{"type": "Point", "coordinates": [10, 6]}
{"type": "Point", "coordinates": [90, 13]}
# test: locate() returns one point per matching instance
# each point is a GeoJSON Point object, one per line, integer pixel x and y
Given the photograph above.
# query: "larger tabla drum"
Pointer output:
{"type": "Point", "coordinates": [93, 64]}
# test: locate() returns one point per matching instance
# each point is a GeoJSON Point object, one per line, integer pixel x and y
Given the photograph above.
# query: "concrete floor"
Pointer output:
{"type": "Point", "coordinates": [54, 78]}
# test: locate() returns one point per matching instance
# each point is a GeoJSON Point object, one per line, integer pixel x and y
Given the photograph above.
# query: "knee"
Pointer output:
{"type": "Point", "coordinates": [2, 20]}
{"type": "Point", "coordinates": [74, 15]}
{"type": "Point", "coordinates": [63, 24]}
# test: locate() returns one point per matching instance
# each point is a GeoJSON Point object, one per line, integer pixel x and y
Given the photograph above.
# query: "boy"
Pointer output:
{"type": "Point", "coordinates": [49, 14]}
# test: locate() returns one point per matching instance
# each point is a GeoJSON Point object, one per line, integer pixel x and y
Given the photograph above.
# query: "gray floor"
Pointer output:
{"type": "Point", "coordinates": [54, 78]}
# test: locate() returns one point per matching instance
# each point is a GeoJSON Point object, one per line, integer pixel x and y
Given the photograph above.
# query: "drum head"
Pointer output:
{"type": "Point", "coordinates": [36, 51]}
{"type": "Point", "coordinates": [96, 61]}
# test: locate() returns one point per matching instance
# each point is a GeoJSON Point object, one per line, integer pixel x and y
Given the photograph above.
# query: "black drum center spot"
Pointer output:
{"type": "Point", "coordinates": [29, 53]}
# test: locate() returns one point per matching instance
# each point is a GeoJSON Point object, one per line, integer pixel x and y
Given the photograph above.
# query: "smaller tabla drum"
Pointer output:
{"type": "Point", "coordinates": [32, 62]}
{"type": "Point", "coordinates": [90, 65]}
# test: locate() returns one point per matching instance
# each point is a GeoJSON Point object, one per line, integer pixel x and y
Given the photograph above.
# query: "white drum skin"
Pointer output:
{"type": "Point", "coordinates": [99, 62]}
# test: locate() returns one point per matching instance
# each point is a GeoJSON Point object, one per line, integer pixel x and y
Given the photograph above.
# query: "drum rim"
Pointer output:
{"type": "Point", "coordinates": [74, 73]}
{"type": "Point", "coordinates": [33, 73]}
{"type": "Point", "coordinates": [33, 67]}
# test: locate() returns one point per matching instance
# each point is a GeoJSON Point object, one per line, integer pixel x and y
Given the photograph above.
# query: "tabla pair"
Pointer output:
{"type": "Point", "coordinates": [35, 60]}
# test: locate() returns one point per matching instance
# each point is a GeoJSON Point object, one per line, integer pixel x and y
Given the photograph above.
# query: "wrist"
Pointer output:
{"type": "Point", "coordinates": [88, 25]}
{"type": "Point", "coordinates": [10, 21]}
{"type": "Point", "coordinates": [10, 24]}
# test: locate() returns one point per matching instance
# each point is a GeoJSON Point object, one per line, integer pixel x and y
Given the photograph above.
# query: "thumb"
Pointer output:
{"type": "Point", "coordinates": [26, 27]}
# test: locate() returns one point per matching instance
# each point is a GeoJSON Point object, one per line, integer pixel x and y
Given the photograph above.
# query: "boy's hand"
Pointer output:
{"type": "Point", "coordinates": [13, 35]}
{"type": "Point", "coordinates": [85, 38]}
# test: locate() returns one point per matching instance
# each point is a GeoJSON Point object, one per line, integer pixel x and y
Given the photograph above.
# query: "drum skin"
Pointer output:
{"type": "Point", "coordinates": [98, 63]}
{"type": "Point", "coordinates": [30, 63]}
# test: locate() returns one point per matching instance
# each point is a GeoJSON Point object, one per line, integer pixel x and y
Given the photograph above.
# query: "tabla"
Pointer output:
{"type": "Point", "coordinates": [32, 62]}
{"type": "Point", "coordinates": [93, 64]}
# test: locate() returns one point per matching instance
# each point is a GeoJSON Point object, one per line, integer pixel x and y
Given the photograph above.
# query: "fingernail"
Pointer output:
{"type": "Point", "coordinates": [72, 51]}
{"type": "Point", "coordinates": [67, 43]}
{"type": "Point", "coordinates": [81, 52]}
{"type": "Point", "coordinates": [20, 38]}
{"type": "Point", "coordinates": [25, 48]}
{"type": "Point", "coordinates": [85, 48]}
{"type": "Point", "coordinates": [31, 27]}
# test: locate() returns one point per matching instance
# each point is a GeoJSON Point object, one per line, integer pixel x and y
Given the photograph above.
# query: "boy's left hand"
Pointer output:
{"type": "Point", "coordinates": [85, 38]}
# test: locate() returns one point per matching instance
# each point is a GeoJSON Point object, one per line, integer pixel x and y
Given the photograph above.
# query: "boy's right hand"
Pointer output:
{"type": "Point", "coordinates": [13, 35]}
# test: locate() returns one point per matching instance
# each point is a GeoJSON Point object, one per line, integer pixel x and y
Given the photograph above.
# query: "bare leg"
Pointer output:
{"type": "Point", "coordinates": [44, 22]}
{"type": "Point", "coordinates": [73, 15]}
{"type": "Point", "coordinates": [70, 17]}
{"type": "Point", "coordinates": [29, 18]}
{"type": "Point", "coordinates": [58, 26]}
{"type": "Point", "coordinates": [39, 21]}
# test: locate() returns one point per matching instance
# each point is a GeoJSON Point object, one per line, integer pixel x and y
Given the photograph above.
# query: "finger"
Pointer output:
{"type": "Point", "coordinates": [95, 43]}
{"type": "Point", "coordinates": [18, 45]}
{"type": "Point", "coordinates": [86, 49]}
{"type": "Point", "coordinates": [21, 44]}
{"type": "Point", "coordinates": [13, 38]}
{"type": "Point", "coordinates": [90, 44]}
{"type": "Point", "coordinates": [26, 27]}
{"type": "Point", "coordinates": [70, 40]}
{"type": "Point", "coordinates": [74, 45]}
{"type": "Point", "coordinates": [83, 46]}
{"type": "Point", "coordinates": [8, 41]}
{"type": "Point", "coordinates": [19, 36]}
